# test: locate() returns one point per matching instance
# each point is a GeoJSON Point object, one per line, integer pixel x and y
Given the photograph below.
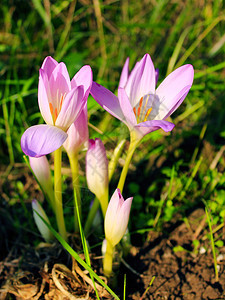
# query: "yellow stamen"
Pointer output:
{"type": "Point", "coordinates": [147, 113]}
{"type": "Point", "coordinates": [61, 101]}
{"type": "Point", "coordinates": [140, 105]}
{"type": "Point", "coordinates": [56, 115]}
{"type": "Point", "coordinates": [51, 108]}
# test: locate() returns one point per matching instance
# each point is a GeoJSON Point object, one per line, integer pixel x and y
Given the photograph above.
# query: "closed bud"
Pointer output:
{"type": "Point", "coordinates": [42, 227]}
{"type": "Point", "coordinates": [41, 169]}
{"type": "Point", "coordinates": [97, 172]}
{"type": "Point", "coordinates": [117, 217]}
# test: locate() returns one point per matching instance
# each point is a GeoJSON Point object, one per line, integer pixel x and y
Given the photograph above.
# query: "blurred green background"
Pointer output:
{"type": "Point", "coordinates": [171, 173]}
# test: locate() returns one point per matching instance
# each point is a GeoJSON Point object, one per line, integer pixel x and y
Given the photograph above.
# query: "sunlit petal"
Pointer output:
{"type": "Point", "coordinates": [42, 139]}
{"type": "Point", "coordinates": [83, 77]}
{"type": "Point", "coordinates": [124, 74]}
{"type": "Point", "coordinates": [174, 88]}
{"type": "Point", "coordinates": [43, 97]}
{"type": "Point", "coordinates": [107, 100]}
{"type": "Point", "coordinates": [149, 126]}
{"type": "Point", "coordinates": [71, 108]}
{"type": "Point", "coordinates": [144, 80]}
{"type": "Point", "coordinates": [49, 65]}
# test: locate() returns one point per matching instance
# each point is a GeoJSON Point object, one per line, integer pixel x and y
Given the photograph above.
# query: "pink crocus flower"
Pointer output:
{"type": "Point", "coordinates": [141, 106]}
{"type": "Point", "coordinates": [117, 217]}
{"type": "Point", "coordinates": [60, 101]}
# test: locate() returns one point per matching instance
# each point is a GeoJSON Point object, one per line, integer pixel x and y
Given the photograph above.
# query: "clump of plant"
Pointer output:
{"type": "Point", "coordinates": [141, 106]}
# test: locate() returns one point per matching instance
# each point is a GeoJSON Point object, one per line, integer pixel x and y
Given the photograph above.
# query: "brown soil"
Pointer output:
{"type": "Point", "coordinates": [184, 274]}
{"type": "Point", "coordinates": [178, 274]}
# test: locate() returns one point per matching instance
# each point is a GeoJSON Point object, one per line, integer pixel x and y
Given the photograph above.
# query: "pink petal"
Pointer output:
{"type": "Point", "coordinates": [107, 100]}
{"type": "Point", "coordinates": [111, 213]}
{"type": "Point", "coordinates": [71, 108]}
{"type": "Point", "coordinates": [42, 139]}
{"type": "Point", "coordinates": [156, 75]}
{"type": "Point", "coordinates": [126, 108]}
{"type": "Point", "coordinates": [59, 83]}
{"type": "Point", "coordinates": [124, 74]}
{"type": "Point", "coordinates": [130, 80]}
{"type": "Point", "coordinates": [149, 126]}
{"type": "Point", "coordinates": [117, 217]}
{"type": "Point", "coordinates": [83, 77]}
{"type": "Point", "coordinates": [77, 133]}
{"type": "Point", "coordinates": [49, 65]}
{"type": "Point", "coordinates": [174, 88]}
{"type": "Point", "coordinates": [123, 218]}
{"type": "Point", "coordinates": [43, 94]}
{"type": "Point", "coordinates": [143, 82]}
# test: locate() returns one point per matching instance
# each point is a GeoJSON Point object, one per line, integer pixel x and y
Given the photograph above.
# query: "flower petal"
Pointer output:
{"type": "Point", "coordinates": [174, 89]}
{"type": "Point", "coordinates": [122, 220]}
{"type": "Point", "coordinates": [124, 74]}
{"type": "Point", "coordinates": [59, 83]}
{"type": "Point", "coordinates": [49, 65]}
{"type": "Point", "coordinates": [116, 218]}
{"type": "Point", "coordinates": [42, 139]}
{"type": "Point", "coordinates": [143, 82]}
{"type": "Point", "coordinates": [77, 133]}
{"type": "Point", "coordinates": [43, 97]}
{"type": "Point", "coordinates": [126, 108]}
{"type": "Point", "coordinates": [146, 127]}
{"type": "Point", "coordinates": [71, 108]}
{"type": "Point", "coordinates": [107, 100]}
{"type": "Point", "coordinates": [131, 76]}
{"type": "Point", "coordinates": [83, 77]}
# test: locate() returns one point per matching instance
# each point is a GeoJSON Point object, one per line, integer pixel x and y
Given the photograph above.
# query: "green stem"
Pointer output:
{"type": "Point", "coordinates": [58, 193]}
{"type": "Point", "coordinates": [115, 157]}
{"type": "Point", "coordinates": [76, 188]}
{"type": "Point", "coordinates": [91, 215]}
{"type": "Point", "coordinates": [108, 259]}
{"type": "Point", "coordinates": [104, 201]}
{"type": "Point", "coordinates": [134, 141]}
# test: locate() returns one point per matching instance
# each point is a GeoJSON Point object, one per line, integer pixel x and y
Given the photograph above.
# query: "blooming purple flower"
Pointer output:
{"type": "Point", "coordinates": [61, 102]}
{"type": "Point", "coordinates": [117, 217]}
{"type": "Point", "coordinates": [141, 106]}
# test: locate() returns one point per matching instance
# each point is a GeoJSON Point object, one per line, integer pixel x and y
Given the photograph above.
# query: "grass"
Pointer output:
{"type": "Point", "coordinates": [170, 173]}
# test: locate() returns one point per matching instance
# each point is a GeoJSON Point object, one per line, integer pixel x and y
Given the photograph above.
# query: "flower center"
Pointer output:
{"type": "Point", "coordinates": [56, 110]}
{"type": "Point", "coordinates": [145, 107]}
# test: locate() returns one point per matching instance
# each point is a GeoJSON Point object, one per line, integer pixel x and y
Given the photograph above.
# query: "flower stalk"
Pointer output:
{"type": "Point", "coordinates": [58, 193]}
{"type": "Point", "coordinates": [75, 178]}
{"type": "Point", "coordinates": [108, 259]}
{"type": "Point", "coordinates": [134, 141]}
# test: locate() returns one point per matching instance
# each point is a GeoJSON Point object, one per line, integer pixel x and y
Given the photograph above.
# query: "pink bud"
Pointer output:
{"type": "Point", "coordinates": [97, 172]}
{"type": "Point", "coordinates": [97, 167]}
{"type": "Point", "coordinates": [117, 216]}
{"type": "Point", "coordinates": [77, 133]}
{"type": "Point", "coordinates": [44, 230]}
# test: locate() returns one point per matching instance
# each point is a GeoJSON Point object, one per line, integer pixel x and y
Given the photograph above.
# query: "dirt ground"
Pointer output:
{"type": "Point", "coordinates": [177, 268]}
{"type": "Point", "coordinates": [187, 274]}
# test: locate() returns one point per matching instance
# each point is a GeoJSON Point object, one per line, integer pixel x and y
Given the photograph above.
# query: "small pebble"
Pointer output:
{"type": "Point", "coordinates": [202, 250]}
{"type": "Point", "coordinates": [220, 257]}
